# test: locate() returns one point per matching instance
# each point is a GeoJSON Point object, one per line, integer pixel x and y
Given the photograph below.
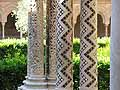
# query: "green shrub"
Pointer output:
{"type": "Point", "coordinates": [12, 72]}
{"type": "Point", "coordinates": [76, 45]}
{"type": "Point", "coordinates": [13, 64]}
{"type": "Point", "coordinates": [9, 48]}
{"type": "Point", "coordinates": [76, 70]}
{"type": "Point", "coordinates": [103, 42]}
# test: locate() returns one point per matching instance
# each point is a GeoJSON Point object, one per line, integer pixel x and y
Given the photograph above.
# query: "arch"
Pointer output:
{"type": "Point", "coordinates": [77, 27]}
{"type": "Point", "coordinates": [9, 8]}
{"type": "Point", "coordinates": [10, 29]}
{"type": "Point", "coordinates": [100, 26]}
{"type": "Point", "coordinates": [102, 15]}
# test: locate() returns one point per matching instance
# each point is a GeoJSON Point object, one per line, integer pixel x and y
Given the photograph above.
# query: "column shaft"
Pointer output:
{"type": "Point", "coordinates": [3, 30]}
{"type": "Point", "coordinates": [115, 47]}
{"type": "Point", "coordinates": [64, 45]}
{"type": "Point", "coordinates": [106, 30]}
{"type": "Point", "coordinates": [88, 45]}
{"type": "Point", "coordinates": [51, 43]}
{"type": "Point", "coordinates": [21, 35]}
{"type": "Point", "coordinates": [35, 79]}
{"type": "Point", "coordinates": [35, 41]}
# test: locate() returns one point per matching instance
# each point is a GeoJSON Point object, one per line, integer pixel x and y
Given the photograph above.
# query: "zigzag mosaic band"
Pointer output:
{"type": "Point", "coordinates": [35, 40]}
{"type": "Point", "coordinates": [64, 45]}
{"type": "Point", "coordinates": [88, 45]}
{"type": "Point", "coordinates": [51, 37]}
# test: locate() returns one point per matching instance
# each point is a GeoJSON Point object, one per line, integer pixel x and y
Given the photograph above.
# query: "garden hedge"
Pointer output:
{"type": "Point", "coordinates": [13, 63]}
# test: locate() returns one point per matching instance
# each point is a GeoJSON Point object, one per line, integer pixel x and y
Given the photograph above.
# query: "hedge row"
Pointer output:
{"type": "Point", "coordinates": [10, 47]}
{"type": "Point", "coordinates": [13, 63]}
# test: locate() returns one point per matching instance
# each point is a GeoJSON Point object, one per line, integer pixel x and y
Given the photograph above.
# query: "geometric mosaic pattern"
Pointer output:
{"type": "Point", "coordinates": [35, 40]}
{"type": "Point", "coordinates": [51, 34]}
{"type": "Point", "coordinates": [88, 45]}
{"type": "Point", "coordinates": [64, 44]}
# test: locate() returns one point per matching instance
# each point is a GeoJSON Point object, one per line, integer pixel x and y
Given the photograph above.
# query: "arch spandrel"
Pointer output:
{"type": "Point", "coordinates": [1, 14]}
{"type": "Point", "coordinates": [6, 8]}
{"type": "Point", "coordinates": [104, 9]}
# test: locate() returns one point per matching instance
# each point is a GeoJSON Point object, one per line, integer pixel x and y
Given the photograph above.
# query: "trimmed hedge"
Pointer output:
{"type": "Point", "coordinates": [13, 64]}
{"type": "Point", "coordinates": [13, 67]}
{"type": "Point", "coordinates": [10, 47]}
{"type": "Point", "coordinates": [12, 72]}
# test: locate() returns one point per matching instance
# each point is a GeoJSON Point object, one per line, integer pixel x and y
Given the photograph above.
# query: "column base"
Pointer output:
{"type": "Point", "coordinates": [51, 83]}
{"type": "Point", "coordinates": [84, 88]}
{"type": "Point", "coordinates": [37, 84]}
{"type": "Point", "coordinates": [64, 88]}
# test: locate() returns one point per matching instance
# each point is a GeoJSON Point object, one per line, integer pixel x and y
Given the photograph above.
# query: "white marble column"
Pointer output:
{"type": "Point", "coordinates": [3, 30]}
{"type": "Point", "coordinates": [21, 35]}
{"type": "Point", "coordinates": [64, 45]}
{"type": "Point", "coordinates": [51, 44]}
{"type": "Point", "coordinates": [88, 45]}
{"type": "Point", "coordinates": [115, 47]}
{"type": "Point", "coordinates": [106, 30]}
{"type": "Point", "coordinates": [35, 79]}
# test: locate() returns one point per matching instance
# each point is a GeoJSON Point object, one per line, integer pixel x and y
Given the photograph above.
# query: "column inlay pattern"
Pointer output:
{"type": "Point", "coordinates": [64, 44]}
{"type": "Point", "coordinates": [88, 45]}
{"type": "Point", "coordinates": [35, 40]}
{"type": "Point", "coordinates": [51, 26]}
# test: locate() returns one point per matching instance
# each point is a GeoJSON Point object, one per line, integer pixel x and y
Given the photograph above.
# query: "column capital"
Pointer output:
{"type": "Point", "coordinates": [3, 23]}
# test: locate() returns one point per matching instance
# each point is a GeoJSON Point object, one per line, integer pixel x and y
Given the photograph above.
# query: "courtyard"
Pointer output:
{"type": "Point", "coordinates": [59, 45]}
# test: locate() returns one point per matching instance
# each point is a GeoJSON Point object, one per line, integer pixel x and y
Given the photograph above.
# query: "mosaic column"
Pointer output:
{"type": "Point", "coordinates": [35, 79]}
{"type": "Point", "coordinates": [88, 45]}
{"type": "Point", "coordinates": [64, 45]}
{"type": "Point", "coordinates": [51, 43]}
{"type": "Point", "coordinates": [115, 47]}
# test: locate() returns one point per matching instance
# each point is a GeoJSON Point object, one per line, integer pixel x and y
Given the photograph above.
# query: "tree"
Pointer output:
{"type": "Point", "coordinates": [22, 15]}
